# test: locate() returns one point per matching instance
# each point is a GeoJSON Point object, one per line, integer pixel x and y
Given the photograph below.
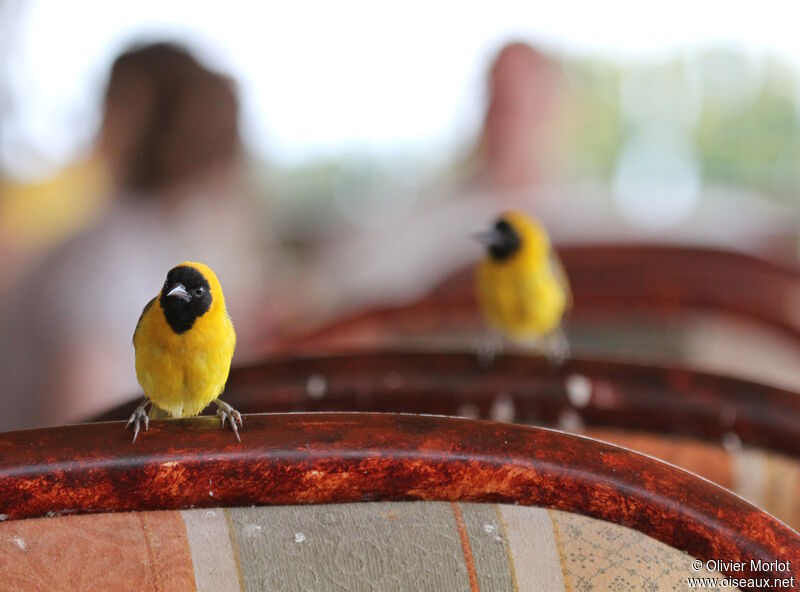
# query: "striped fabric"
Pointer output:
{"type": "Point", "coordinates": [409, 546]}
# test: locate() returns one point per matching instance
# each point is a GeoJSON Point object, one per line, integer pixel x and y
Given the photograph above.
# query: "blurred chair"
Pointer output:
{"type": "Point", "coordinates": [498, 505]}
{"type": "Point", "coordinates": [699, 307]}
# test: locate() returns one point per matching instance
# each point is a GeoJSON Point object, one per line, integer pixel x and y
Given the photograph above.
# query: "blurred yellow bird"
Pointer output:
{"type": "Point", "coordinates": [184, 343]}
{"type": "Point", "coordinates": [522, 288]}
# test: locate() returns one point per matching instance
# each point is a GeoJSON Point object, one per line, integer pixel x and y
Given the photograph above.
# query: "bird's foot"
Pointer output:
{"type": "Point", "coordinates": [138, 417]}
{"type": "Point", "coordinates": [488, 349]}
{"type": "Point", "coordinates": [556, 347]}
{"type": "Point", "coordinates": [227, 413]}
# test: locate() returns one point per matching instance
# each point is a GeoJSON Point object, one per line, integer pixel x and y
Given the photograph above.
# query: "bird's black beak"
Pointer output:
{"type": "Point", "coordinates": [179, 291]}
{"type": "Point", "coordinates": [491, 238]}
{"type": "Point", "coordinates": [501, 240]}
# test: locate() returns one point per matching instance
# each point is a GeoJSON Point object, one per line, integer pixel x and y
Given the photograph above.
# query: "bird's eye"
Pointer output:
{"type": "Point", "coordinates": [198, 292]}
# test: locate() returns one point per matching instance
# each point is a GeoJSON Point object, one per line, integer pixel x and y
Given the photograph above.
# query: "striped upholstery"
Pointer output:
{"type": "Point", "coordinates": [344, 547]}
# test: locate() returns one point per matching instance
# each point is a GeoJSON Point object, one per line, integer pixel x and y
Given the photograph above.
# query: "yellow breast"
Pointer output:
{"type": "Point", "coordinates": [182, 374]}
{"type": "Point", "coordinates": [522, 297]}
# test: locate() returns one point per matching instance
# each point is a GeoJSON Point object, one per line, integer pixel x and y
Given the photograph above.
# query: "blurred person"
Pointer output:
{"type": "Point", "coordinates": [39, 215]}
{"type": "Point", "coordinates": [170, 137]}
{"type": "Point", "coordinates": [520, 126]}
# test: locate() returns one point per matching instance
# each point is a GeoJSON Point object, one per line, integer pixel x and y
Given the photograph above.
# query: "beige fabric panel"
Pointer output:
{"type": "Point", "coordinates": [215, 565]}
{"type": "Point", "coordinates": [532, 544]}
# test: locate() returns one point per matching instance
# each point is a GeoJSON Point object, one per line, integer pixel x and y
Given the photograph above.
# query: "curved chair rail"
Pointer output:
{"type": "Point", "coordinates": [348, 457]}
{"type": "Point", "coordinates": [529, 390]}
{"type": "Point", "coordinates": [669, 279]}
{"type": "Point", "coordinates": [607, 281]}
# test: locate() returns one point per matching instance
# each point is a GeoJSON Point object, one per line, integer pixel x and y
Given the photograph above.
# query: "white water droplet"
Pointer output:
{"type": "Point", "coordinates": [731, 442]}
{"type": "Point", "coordinates": [503, 409]}
{"type": "Point", "coordinates": [570, 421]}
{"type": "Point", "coordinates": [316, 386]}
{"type": "Point", "coordinates": [20, 542]}
{"type": "Point", "coordinates": [579, 390]}
{"type": "Point", "coordinates": [299, 537]}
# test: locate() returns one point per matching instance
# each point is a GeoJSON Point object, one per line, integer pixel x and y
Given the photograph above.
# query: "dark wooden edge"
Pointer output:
{"type": "Point", "coordinates": [351, 457]}
{"type": "Point", "coordinates": [666, 400]}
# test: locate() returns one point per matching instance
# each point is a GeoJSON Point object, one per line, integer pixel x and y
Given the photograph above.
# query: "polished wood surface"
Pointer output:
{"type": "Point", "coordinates": [348, 457]}
{"type": "Point", "coordinates": [524, 389]}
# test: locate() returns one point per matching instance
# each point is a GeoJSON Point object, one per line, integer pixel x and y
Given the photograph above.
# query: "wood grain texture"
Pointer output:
{"type": "Point", "coordinates": [622, 395]}
{"type": "Point", "coordinates": [608, 282]}
{"type": "Point", "coordinates": [322, 458]}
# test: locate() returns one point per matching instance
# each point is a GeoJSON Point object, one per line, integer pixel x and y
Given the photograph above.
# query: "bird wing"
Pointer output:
{"type": "Point", "coordinates": [141, 316]}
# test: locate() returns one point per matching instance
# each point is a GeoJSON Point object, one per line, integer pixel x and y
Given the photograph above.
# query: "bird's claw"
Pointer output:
{"type": "Point", "coordinates": [226, 413]}
{"type": "Point", "coordinates": [137, 417]}
{"type": "Point", "coordinates": [488, 349]}
{"type": "Point", "coordinates": [557, 348]}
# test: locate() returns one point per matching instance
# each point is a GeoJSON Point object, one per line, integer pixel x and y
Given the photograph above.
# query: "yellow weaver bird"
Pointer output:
{"type": "Point", "coordinates": [522, 287]}
{"type": "Point", "coordinates": [184, 343]}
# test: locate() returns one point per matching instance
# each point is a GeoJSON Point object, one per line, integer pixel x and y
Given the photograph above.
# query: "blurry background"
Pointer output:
{"type": "Point", "coordinates": [372, 140]}
{"type": "Point", "coordinates": [338, 100]}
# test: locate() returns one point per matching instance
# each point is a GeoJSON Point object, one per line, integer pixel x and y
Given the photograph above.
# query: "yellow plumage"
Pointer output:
{"type": "Point", "coordinates": [522, 289]}
{"type": "Point", "coordinates": [184, 343]}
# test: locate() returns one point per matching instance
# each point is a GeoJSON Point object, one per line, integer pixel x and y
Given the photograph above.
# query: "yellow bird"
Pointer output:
{"type": "Point", "coordinates": [522, 288]}
{"type": "Point", "coordinates": [184, 343]}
